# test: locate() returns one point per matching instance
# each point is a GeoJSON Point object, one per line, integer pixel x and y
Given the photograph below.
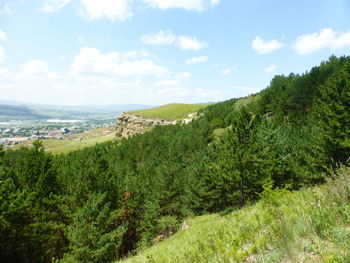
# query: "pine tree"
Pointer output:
{"type": "Point", "coordinates": [95, 234]}
{"type": "Point", "coordinates": [333, 110]}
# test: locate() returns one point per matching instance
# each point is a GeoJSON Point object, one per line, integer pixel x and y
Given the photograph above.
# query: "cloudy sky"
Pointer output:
{"type": "Point", "coordinates": [73, 52]}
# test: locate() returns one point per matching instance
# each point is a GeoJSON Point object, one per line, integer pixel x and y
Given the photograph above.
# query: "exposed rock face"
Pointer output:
{"type": "Point", "coordinates": [128, 125]}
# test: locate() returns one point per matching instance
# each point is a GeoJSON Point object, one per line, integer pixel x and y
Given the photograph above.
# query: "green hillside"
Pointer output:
{"type": "Point", "coordinates": [311, 225]}
{"type": "Point", "coordinates": [221, 174]}
{"type": "Point", "coordinates": [170, 111]}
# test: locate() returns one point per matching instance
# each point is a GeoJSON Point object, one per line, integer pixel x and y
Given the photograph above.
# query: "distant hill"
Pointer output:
{"type": "Point", "coordinates": [24, 111]}
{"type": "Point", "coordinates": [114, 107]}
{"type": "Point", "coordinates": [170, 111]}
{"type": "Point", "coordinates": [13, 111]}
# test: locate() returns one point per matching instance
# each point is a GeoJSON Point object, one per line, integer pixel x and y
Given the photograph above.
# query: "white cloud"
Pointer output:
{"type": "Point", "coordinates": [5, 9]}
{"type": "Point", "coordinates": [264, 47]}
{"type": "Point", "coordinates": [166, 37]}
{"type": "Point", "coordinates": [214, 2]}
{"type": "Point", "coordinates": [173, 82]}
{"type": "Point", "coordinates": [196, 60]}
{"type": "Point", "coordinates": [35, 83]}
{"type": "Point", "coordinates": [34, 67]}
{"type": "Point", "coordinates": [325, 38]}
{"type": "Point", "coordinates": [81, 39]}
{"type": "Point", "coordinates": [211, 95]}
{"type": "Point", "coordinates": [173, 92]}
{"type": "Point", "coordinates": [167, 83]}
{"type": "Point", "coordinates": [111, 9]}
{"type": "Point", "coordinates": [226, 71]}
{"type": "Point", "coordinates": [2, 54]}
{"type": "Point", "coordinates": [90, 61]}
{"type": "Point", "coordinates": [3, 36]}
{"type": "Point", "coordinates": [136, 54]}
{"type": "Point", "coordinates": [51, 6]}
{"type": "Point", "coordinates": [122, 9]}
{"type": "Point", "coordinates": [341, 40]}
{"type": "Point", "coordinates": [4, 72]}
{"type": "Point", "coordinates": [196, 5]}
{"type": "Point", "coordinates": [161, 38]}
{"type": "Point", "coordinates": [182, 75]}
{"type": "Point", "coordinates": [41, 85]}
{"type": "Point", "coordinates": [190, 43]}
{"type": "Point", "coordinates": [270, 69]}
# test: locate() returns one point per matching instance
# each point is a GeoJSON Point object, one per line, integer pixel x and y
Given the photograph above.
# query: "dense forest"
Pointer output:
{"type": "Point", "coordinates": [106, 202]}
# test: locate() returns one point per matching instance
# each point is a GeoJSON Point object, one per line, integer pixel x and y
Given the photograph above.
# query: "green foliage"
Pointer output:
{"type": "Point", "coordinates": [272, 196]}
{"type": "Point", "coordinates": [282, 227]}
{"type": "Point", "coordinates": [31, 210]}
{"type": "Point", "coordinates": [333, 110]}
{"type": "Point", "coordinates": [217, 122]}
{"type": "Point", "coordinates": [167, 224]}
{"type": "Point", "coordinates": [94, 235]}
{"type": "Point", "coordinates": [110, 200]}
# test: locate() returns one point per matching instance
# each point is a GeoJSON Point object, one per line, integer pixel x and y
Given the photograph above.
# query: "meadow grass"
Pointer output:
{"type": "Point", "coordinates": [170, 111]}
{"type": "Point", "coordinates": [310, 225]}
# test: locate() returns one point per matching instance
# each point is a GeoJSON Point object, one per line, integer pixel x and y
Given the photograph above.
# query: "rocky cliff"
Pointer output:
{"type": "Point", "coordinates": [128, 125]}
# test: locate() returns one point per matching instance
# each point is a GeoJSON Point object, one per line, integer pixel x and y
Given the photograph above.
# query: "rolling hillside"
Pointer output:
{"type": "Point", "coordinates": [251, 178]}
{"type": "Point", "coordinates": [170, 111]}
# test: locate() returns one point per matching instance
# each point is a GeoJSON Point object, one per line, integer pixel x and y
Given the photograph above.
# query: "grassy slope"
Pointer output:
{"type": "Point", "coordinates": [78, 141]}
{"type": "Point", "coordinates": [170, 111]}
{"type": "Point", "coordinates": [311, 225]}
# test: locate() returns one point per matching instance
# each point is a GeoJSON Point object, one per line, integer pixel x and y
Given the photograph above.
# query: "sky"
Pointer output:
{"type": "Point", "coordinates": [154, 52]}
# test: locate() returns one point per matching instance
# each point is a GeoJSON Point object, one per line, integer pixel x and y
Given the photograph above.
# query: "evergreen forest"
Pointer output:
{"type": "Point", "coordinates": [109, 201]}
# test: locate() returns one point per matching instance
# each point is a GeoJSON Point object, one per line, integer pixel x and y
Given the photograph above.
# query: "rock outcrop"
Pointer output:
{"type": "Point", "coordinates": [128, 125]}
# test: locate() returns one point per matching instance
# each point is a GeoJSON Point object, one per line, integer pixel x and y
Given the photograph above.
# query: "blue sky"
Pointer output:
{"type": "Point", "coordinates": [75, 52]}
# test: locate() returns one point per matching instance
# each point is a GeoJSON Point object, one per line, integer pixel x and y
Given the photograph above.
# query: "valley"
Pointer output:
{"type": "Point", "coordinates": [58, 126]}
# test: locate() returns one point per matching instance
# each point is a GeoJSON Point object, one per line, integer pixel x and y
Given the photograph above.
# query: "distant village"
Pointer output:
{"type": "Point", "coordinates": [52, 129]}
